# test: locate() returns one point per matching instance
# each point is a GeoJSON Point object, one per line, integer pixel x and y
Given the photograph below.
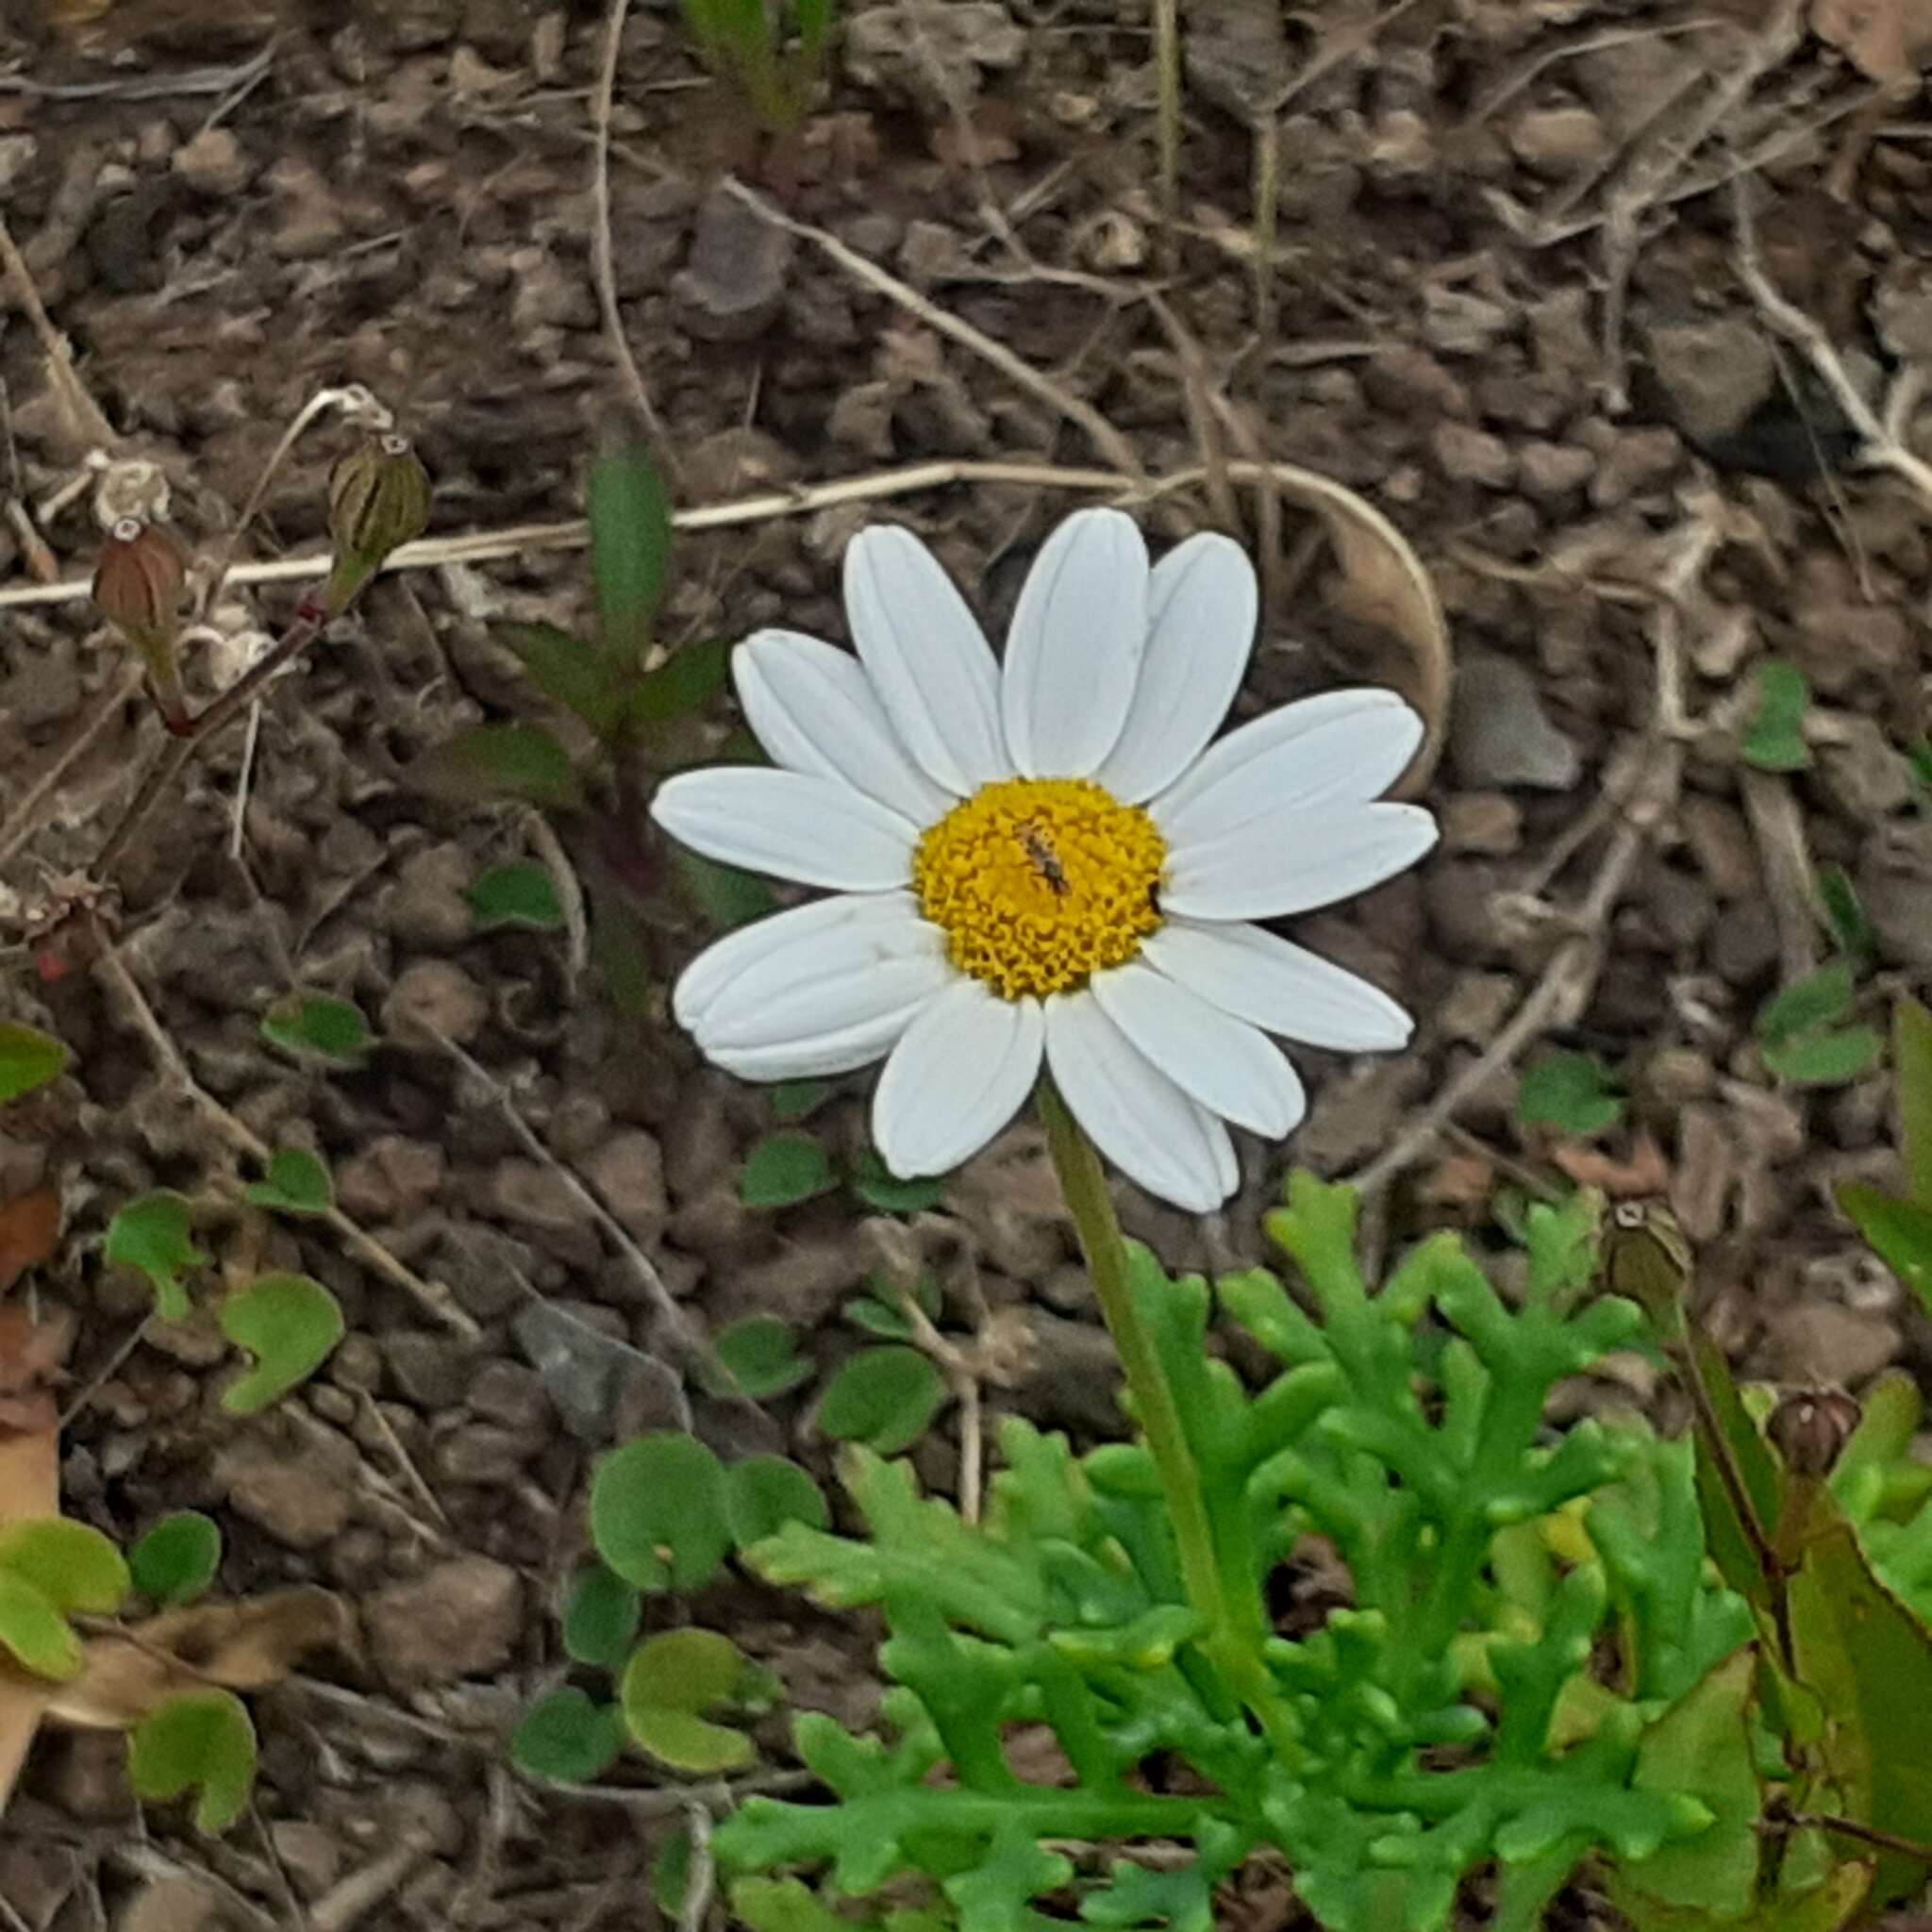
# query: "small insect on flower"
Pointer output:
{"type": "Point", "coordinates": [1046, 861]}
{"type": "Point", "coordinates": [1052, 865]}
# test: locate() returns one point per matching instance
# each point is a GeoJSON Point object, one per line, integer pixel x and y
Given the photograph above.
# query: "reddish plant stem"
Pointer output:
{"type": "Point", "coordinates": [191, 734]}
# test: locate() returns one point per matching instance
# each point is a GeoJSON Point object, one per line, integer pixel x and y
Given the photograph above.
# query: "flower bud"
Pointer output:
{"type": "Point", "coordinates": [137, 589]}
{"type": "Point", "coordinates": [1810, 1426]}
{"type": "Point", "coordinates": [379, 498]}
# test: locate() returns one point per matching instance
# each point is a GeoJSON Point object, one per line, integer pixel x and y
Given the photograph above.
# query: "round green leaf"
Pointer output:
{"type": "Point", "coordinates": [657, 1512]}
{"type": "Point", "coordinates": [521, 894]}
{"type": "Point", "coordinates": [290, 1325]}
{"type": "Point", "coordinates": [764, 1493]}
{"type": "Point", "coordinates": [670, 1679]}
{"type": "Point", "coordinates": [203, 1738]}
{"type": "Point", "coordinates": [601, 1618]}
{"type": "Point", "coordinates": [317, 1026]}
{"type": "Point", "coordinates": [150, 1234]}
{"type": "Point", "coordinates": [683, 1670]}
{"type": "Point", "coordinates": [28, 1059]}
{"type": "Point", "coordinates": [177, 1560]}
{"type": "Point", "coordinates": [879, 1187]}
{"type": "Point", "coordinates": [758, 1357]}
{"type": "Point", "coordinates": [500, 761]}
{"type": "Point", "coordinates": [1824, 1059]}
{"type": "Point", "coordinates": [783, 1170]}
{"type": "Point", "coordinates": [35, 1632]}
{"type": "Point", "coordinates": [1570, 1092]}
{"type": "Point", "coordinates": [73, 1567]}
{"type": "Point", "coordinates": [689, 1744]}
{"type": "Point", "coordinates": [883, 1398]}
{"type": "Point", "coordinates": [567, 1737]}
{"type": "Point", "coordinates": [299, 1183]}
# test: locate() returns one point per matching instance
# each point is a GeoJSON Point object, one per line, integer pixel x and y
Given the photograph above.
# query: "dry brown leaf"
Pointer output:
{"type": "Point", "coordinates": [1889, 41]}
{"type": "Point", "coordinates": [29, 1227]}
{"type": "Point", "coordinates": [1643, 1174]}
{"type": "Point", "coordinates": [30, 1356]}
{"type": "Point", "coordinates": [242, 1646]}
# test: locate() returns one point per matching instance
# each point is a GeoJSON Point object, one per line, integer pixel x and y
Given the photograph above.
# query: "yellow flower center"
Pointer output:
{"type": "Point", "coordinates": [1039, 883]}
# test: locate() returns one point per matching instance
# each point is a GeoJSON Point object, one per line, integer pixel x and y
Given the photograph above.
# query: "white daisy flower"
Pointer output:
{"type": "Point", "coordinates": [1049, 861]}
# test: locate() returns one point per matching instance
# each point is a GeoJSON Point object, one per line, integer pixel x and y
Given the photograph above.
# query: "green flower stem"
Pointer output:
{"type": "Point", "coordinates": [1235, 1653]}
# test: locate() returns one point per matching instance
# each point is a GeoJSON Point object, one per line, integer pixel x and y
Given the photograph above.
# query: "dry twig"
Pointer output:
{"type": "Point", "coordinates": [1104, 436]}
{"type": "Point", "coordinates": [603, 269]}
{"type": "Point", "coordinates": [88, 421]}
{"type": "Point", "coordinates": [1881, 434]}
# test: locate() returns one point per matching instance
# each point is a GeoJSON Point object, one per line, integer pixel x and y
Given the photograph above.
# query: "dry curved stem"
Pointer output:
{"type": "Point", "coordinates": [83, 412]}
{"type": "Point", "coordinates": [433, 1296]}
{"type": "Point", "coordinates": [1563, 990]}
{"type": "Point", "coordinates": [1881, 436]}
{"type": "Point", "coordinates": [603, 269]}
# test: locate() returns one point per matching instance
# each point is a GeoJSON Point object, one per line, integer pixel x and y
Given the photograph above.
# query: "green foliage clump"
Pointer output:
{"type": "Point", "coordinates": [1544, 1657]}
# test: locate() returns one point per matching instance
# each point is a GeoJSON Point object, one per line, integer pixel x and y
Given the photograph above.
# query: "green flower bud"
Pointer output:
{"type": "Point", "coordinates": [137, 589]}
{"type": "Point", "coordinates": [378, 499]}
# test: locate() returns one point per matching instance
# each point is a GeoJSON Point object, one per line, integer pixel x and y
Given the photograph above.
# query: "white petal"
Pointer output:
{"type": "Point", "coordinates": [1200, 605]}
{"type": "Point", "coordinates": [1137, 1118]}
{"type": "Point", "coordinates": [1074, 652]}
{"type": "Point", "coordinates": [794, 933]}
{"type": "Point", "coordinates": [1266, 869]}
{"type": "Point", "coordinates": [1225, 1065]}
{"type": "Point", "coordinates": [927, 659]}
{"type": "Point", "coordinates": [1272, 983]}
{"type": "Point", "coordinates": [1344, 747]}
{"type": "Point", "coordinates": [959, 1073]}
{"type": "Point", "coordinates": [813, 709]}
{"type": "Point", "coordinates": [819, 1059]}
{"type": "Point", "coordinates": [791, 824]}
{"type": "Point", "coordinates": [846, 976]}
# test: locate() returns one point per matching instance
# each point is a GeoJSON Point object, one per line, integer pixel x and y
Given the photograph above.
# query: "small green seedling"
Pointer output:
{"type": "Point", "coordinates": [760, 1360]}
{"type": "Point", "coordinates": [784, 1169]}
{"type": "Point", "coordinates": [884, 1398]}
{"type": "Point", "coordinates": [28, 1060]}
{"type": "Point", "coordinates": [177, 1560]}
{"type": "Point", "coordinates": [636, 713]}
{"type": "Point", "coordinates": [204, 1741]}
{"type": "Point", "coordinates": [318, 1028]}
{"type": "Point", "coordinates": [882, 1190]}
{"type": "Point", "coordinates": [567, 1737]}
{"type": "Point", "coordinates": [290, 1325]}
{"type": "Point", "coordinates": [1571, 1094]}
{"type": "Point", "coordinates": [299, 1183]}
{"type": "Point", "coordinates": [151, 1235]}
{"type": "Point", "coordinates": [883, 1312]}
{"type": "Point", "coordinates": [51, 1569]}
{"type": "Point", "coordinates": [601, 1618]}
{"type": "Point", "coordinates": [772, 51]}
{"type": "Point", "coordinates": [521, 894]}
{"type": "Point", "coordinates": [1802, 1037]}
{"type": "Point", "coordinates": [1774, 741]}
{"type": "Point", "coordinates": [674, 1679]}
{"type": "Point", "coordinates": [657, 1513]}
